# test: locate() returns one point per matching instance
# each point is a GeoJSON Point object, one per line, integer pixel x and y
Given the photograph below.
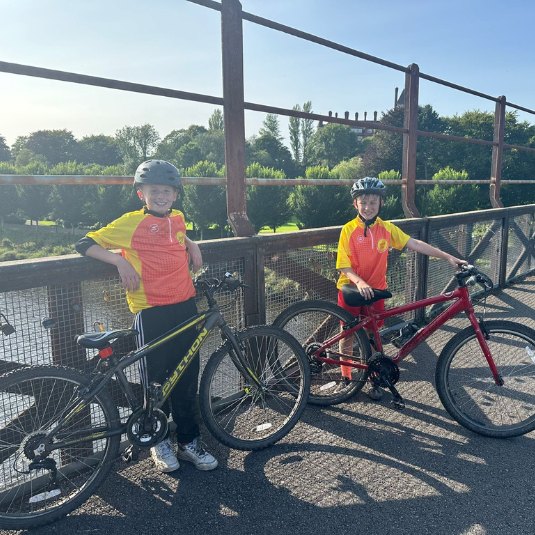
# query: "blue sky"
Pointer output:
{"type": "Point", "coordinates": [482, 44]}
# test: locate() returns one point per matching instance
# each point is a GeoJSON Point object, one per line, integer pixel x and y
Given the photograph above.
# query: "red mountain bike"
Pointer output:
{"type": "Point", "coordinates": [485, 375]}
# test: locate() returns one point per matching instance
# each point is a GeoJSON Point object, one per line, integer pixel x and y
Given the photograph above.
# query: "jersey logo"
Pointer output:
{"type": "Point", "coordinates": [382, 245]}
{"type": "Point", "coordinates": [154, 228]}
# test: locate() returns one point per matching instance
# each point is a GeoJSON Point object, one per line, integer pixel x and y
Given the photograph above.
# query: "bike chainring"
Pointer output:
{"type": "Point", "coordinates": [382, 371]}
{"type": "Point", "coordinates": [146, 430]}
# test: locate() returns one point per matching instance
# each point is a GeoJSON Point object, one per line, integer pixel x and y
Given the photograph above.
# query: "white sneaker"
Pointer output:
{"type": "Point", "coordinates": [164, 457]}
{"type": "Point", "coordinates": [195, 453]}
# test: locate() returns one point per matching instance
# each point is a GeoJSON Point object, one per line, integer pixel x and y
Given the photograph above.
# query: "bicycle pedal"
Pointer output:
{"type": "Point", "coordinates": [398, 404]}
{"type": "Point", "coordinates": [130, 454]}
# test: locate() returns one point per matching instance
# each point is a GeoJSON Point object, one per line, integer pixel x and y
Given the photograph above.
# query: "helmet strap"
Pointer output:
{"type": "Point", "coordinates": [367, 222]}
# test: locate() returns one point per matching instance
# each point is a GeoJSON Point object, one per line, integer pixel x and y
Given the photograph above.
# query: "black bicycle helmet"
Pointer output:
{"type": "Point", "coordinates": [157, 172]}
{"type": "Point", "coordinates": [368, 186]}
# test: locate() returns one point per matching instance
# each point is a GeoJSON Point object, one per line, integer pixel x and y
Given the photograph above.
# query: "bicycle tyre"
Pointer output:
{"type": "Point", "coordinates": [238, 413]}
{"type": "Point", "coordinates": [313, 322]}
{"type": "Point", "coordinates": [467, 388]}
{"type": "Point", "coordinates": [32, 399]}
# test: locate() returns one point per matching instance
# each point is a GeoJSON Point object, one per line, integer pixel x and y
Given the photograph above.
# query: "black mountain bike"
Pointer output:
{"type": "Point", "coordinates": [61, 430]}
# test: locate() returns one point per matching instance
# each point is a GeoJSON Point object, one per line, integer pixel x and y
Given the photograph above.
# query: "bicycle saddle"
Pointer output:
{"type": "Point", "coordinates": [99, 340]}
{"type": "Point", "coordinates": [353, 298]}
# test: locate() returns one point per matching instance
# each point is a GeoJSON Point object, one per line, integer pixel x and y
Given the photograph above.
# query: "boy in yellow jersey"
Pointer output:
{"type": "Point", "coordinates": [362, 256]}
{"type": "Point", "coordinates": [154, 269]}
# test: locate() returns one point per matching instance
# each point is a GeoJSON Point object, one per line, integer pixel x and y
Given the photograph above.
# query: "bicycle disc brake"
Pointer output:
{"type": "Point", "coordinates": [385, 373]}
{"type": "Point", "coordinates": [146, 429]}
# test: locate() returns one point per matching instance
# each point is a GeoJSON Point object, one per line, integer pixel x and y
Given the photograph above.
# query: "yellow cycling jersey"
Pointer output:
{"type": "Point", "coordinates": [367, 255]}
{"type": "Point", "coordinates": [156, 248]}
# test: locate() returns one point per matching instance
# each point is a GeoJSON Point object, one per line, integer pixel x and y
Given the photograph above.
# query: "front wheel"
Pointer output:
{"type": "Point", "coordinates": [314, 322]}
{"type": "Point", "coordinates": [243, 414]}
{"type": "Point", "coordinates": [45, 477]}
{"type": "Point", "coordinates": [467, 388]}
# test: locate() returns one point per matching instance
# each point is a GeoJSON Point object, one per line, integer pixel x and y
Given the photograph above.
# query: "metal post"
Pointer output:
{"type": "Point", "coordinates": [497, 154]}
{"type": "Point", "coordinates": [408, 167]}
{"type": "Point", "coordinates": [233, 108]}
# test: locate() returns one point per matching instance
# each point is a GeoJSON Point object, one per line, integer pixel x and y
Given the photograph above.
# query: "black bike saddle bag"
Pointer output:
{"type": "Point", "coordinates": [353, 298]}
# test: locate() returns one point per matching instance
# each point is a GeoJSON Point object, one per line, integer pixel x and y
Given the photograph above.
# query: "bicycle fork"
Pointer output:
{"type": "Point", "coordinates": [482, 336]}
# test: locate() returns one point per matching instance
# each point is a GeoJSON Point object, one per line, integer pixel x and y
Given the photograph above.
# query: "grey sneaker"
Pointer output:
{"type": "Point", "coordinates": [164, 457]}
{"type": "Point", "coordinates": [195, 453]}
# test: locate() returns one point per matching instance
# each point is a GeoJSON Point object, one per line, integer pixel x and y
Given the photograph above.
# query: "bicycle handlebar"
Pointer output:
{"type": "Point", "coordinates": [209, 286]}
{"type": "Point", "coordinates": [469, 275]}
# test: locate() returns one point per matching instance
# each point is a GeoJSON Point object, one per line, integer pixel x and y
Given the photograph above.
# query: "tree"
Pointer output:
{"type": "Point", "coordinates": [447, 199]}
{"type": "Point", "coordinates": [52, 146]}
{"type": "Point", "coordinates": [321, 206]}
{"type": "Point", "coordinates": [5, 153]}
{"type": "Point", "coordinates": [348, 169]}
{"type": "Point", "coordinates": [137, 144]}
{"type": "Point", "coordinates": [307, 132]}
{"type": "Point", "coordinates": [216, 122]}
{"type": "Point", "coordinates": [99, 149]}
{"type": "Point", "coordinates": [34, 201]}
{"type": "Point", "coordinates": [270, 152]}
{"type": "Point", "coordinates": [267, 206]}
{"type": "Point", "coordinates": [295, 134]}
{"type": "Point", "coordinates": [270, 127]}
{"type": "Point", "coordinates": [333, 143]}
{"type": "Point", "coordinates": [205, 205]}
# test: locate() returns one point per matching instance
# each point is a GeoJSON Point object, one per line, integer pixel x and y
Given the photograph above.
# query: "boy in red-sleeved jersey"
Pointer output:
{"type": "Point", "coordinates": [154, 269]}
{"type": "Point", "coordinates": [363, 247]}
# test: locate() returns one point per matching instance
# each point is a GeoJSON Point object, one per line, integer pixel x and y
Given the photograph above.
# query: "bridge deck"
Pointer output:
{"type": "Point", "coordinates": [360, 467]}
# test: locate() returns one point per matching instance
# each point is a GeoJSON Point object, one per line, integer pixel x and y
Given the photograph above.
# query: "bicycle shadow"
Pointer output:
{"type": "Point", "coordinates": [373, 470]}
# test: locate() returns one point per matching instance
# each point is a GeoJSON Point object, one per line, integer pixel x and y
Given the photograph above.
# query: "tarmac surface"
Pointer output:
{"type": "Point", "coordinates": [359, 467]}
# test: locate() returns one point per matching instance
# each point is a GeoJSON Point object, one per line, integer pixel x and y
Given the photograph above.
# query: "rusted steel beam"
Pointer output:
{"type": "Point", "coordinates": [232, 54]}
{"type": "Point", "coordinates": [52, 74]}
{"type": "Point", "coordinates": [410, 139]}
{"type": "Point", "coordinates": [497, 154]}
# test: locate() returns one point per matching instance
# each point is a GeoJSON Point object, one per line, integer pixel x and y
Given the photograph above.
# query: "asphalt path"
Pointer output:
{"type": "Point", "coordinates": [359, 467]}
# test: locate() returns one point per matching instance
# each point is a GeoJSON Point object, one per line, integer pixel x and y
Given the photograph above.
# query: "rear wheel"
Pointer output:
{"type": "Point", "coordinates": [41, 480]}
{"type": "Point", "coordinates": [242, 414]}
{"type": "Point", "coordinates": [314, 322]}
{"type": "Point", "coordinates": [467, 388]}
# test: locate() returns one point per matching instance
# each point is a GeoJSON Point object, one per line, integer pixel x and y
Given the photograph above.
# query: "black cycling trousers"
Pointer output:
{"type": "Point", "coordinates": [159, 364]}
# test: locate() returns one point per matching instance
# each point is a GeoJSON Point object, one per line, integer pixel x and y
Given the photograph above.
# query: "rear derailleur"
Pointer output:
{"type": "Point", "coordinates": [384, 373]}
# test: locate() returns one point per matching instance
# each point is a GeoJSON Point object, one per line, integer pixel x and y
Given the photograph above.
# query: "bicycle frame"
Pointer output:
{"type": "Point", "coordinates": [206, 322]}
{"type": "Point", "coordinates": [460, 302]}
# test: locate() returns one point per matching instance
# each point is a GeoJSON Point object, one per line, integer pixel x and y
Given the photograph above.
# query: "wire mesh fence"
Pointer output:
{"type": "Point", "coordinates": [279, 270]}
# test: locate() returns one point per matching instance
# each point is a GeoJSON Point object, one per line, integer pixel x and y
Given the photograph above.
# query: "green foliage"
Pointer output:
{"type": "Point", "coordinates": [270, 127]}
{"type": "Point", "coordinates": [205, 205]}
{"type": "Point", "coordinates": [348, 169]}
{"type": "Point", "coordinates": [136, 144]}
{"type": "Point", "coordinates": [268, 151]}
{"type": "Point", "coordinates": [18, 242]}
{"type": "Point", "coordinates": [5, 153]}
{"type": "Point", "coordinates": [49, 146]}
{"type": "Point", "coordinates": [216, 121]}
{"type": "Point", "coordinates": [99, 149]}
{"type": "Point", "coordinates": [389, 175]}
{"type": "Point", "coordinates": [331, 144]}
{"type": "Point", "coordinates": [324, 206]}
{"type": "Point", "coordinates": [450, 199]}
{"type": "Point", "coordinates": [267, 206]}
